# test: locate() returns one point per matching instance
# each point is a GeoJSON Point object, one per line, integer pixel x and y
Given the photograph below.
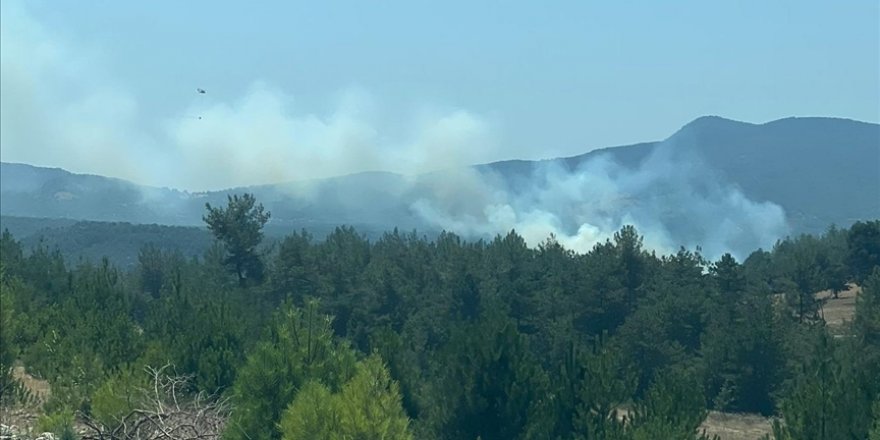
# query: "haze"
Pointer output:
{"type": "Point", "coordinates": [300, 90]}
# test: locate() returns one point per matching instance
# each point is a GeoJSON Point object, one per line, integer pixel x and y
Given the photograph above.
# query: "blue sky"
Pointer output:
{"type": "Point", "coordinates": [410, 81]}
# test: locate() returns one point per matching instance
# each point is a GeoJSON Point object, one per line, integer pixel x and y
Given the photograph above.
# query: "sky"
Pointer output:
{"type": "Point", "coordinates": [300, 90]}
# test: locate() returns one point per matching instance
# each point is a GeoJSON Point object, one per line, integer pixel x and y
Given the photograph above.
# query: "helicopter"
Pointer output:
{"type": "Point", "coordinates": [200, 91]}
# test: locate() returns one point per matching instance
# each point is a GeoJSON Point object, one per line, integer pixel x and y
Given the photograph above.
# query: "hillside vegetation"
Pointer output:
{"type": "Point", "coordinates": [88, 241]}
{"type": "Point", "coordinates": [408, 337]}
{"type": "Point", "coordinates": [820, 171]}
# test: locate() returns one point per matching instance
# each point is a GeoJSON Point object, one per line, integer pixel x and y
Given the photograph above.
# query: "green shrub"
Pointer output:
{"type": "Point", "coordinates": [59, 423]}
{"type": "Point", "coordinates": [118, 396]}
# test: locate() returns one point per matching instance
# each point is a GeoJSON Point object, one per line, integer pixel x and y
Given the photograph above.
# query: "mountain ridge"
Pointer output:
{"type": "Point", "coordinates": [820, 170]}
{"type": "Point", "coordinates": [699, 121]}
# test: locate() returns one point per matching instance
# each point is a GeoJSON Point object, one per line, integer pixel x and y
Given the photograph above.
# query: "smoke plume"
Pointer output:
{"type": "Point", "coordinates": [671, 197]}
{"type": "Point", "coordinates": [60, 105]}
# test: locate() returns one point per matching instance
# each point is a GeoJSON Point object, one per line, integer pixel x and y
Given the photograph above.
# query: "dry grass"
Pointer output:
{"type": "Point", "coordinates": [729, 426]}
{"type": "Point", "coordinates": [38, 388]}
{"type": "Point", "coordinates": [23, 416]}
{"type": "Point", "coordinates": [838, 311]}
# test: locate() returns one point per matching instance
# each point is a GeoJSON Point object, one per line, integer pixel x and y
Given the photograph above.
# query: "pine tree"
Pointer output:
{"type": "Point", "coordinates": [8, 384]}
{"type": "Point", "coordinates": [875, 427]}
{"type": "Point", "coordinates": [831, 396]}
{"type": "Point", "coordinates": [607, 382]}
{"type": "Point", "coordinates": [490, 386]}
{"type": "Point", "coordinates": [300, 348]}
{"type": "Point", "coordinates": [867, 317]}
{"type": "Point", "coordinates": [673, 409]}
{"type": "Point", "coordinates": [368, 407]}
{"type": "Point", "coordinates": [312, 415]}
{"type": "Point", "coordinates": [239, 227]}
{"type": "Point", "coordinates": [864, 249]}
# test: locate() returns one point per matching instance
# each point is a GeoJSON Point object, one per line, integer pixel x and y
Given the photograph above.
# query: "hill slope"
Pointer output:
{"type": "Point", "coordinates": [91, 241]}
{"type": "Point", "coordinates": [819, 170]}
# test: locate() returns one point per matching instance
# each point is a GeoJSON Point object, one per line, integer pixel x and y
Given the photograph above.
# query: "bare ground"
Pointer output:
{"type": "Point", "coordinates": [730, 426]}
{"type": "Point", "coordinates": [38, 388]}
{"type": "Point", "coordinates": [839, 311]}
{"type": "Point", "coordinates": [24, 416]}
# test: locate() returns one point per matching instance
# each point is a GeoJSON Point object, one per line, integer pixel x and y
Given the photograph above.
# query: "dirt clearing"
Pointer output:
{"type": "Point", "coordinates": [730, 426]}
{"type": "Point", "coordinates": [838, 311]}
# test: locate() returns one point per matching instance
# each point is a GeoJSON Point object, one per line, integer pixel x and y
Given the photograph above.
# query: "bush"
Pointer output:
{"type": "Point", "coordinates": [118, 396]}
{"type": "Point", "coordinates": [59, 423]}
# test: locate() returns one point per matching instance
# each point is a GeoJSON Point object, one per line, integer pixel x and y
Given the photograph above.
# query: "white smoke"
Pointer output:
{"type": "Point", "coordinates": [61, 106]}
{"type": "Point", "coordinates": [56, 109]}
{"type": "Point", "coordinates": [261, 139]}
{"type": "Point", "coordinates": [671, 198]}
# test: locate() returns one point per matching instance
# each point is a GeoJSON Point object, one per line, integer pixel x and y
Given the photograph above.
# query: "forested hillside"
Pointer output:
{"type": "Point", "coordinates": [81, 241]}
{"type": "Point", "coordinates": [819, 171]}
{"type": "Point", "coordinates": [407, 337]}
{"type": "Point", "coordinates": [121, 242]}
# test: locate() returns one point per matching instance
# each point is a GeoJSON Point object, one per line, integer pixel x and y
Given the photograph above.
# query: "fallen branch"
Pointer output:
{"type": "Point", "coordinates": [166, 412]}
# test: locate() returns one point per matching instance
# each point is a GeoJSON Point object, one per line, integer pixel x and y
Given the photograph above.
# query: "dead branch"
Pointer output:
{"type": "Point", "coordinates": [166, 412]}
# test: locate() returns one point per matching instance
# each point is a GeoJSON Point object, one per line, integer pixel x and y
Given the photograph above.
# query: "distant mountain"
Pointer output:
{"type": "Point", "coordinates": [822, 171]}
{"type": "Point", "coordinates": [30, 191]}
{"type": "Point", "coordinates": [91, 241]}
{"type": "Point", "coordinates": [819, 170]}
